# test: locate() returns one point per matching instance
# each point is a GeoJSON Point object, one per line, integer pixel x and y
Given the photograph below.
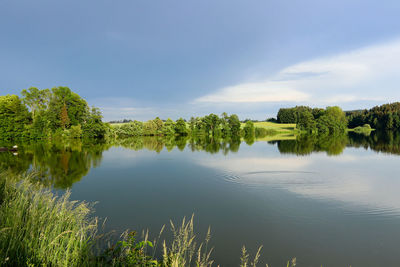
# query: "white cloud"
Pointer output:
{"type": "Point", "coordinates": [367, 74]}
{"type": "Point", "coordinates": [269, 91]}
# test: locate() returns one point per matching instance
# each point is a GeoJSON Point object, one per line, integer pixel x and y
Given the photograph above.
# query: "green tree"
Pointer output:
{"type": "Point", "coordinates": [36, 99]}
{"type": "Point", "coordinates": [14, 117]}
{"type": "Point", "coordinates": [169, 127]}
{"type": "Point", "coordinates": [76, 107]}
{"type": "Point", "coordinates": [180, 127]}
{"type": "Point", "coordinates": [93, 127]}
{"type": "Point", "coordinates": [234, 124]}
{"type": "Point", "coordinates": [306, 121]}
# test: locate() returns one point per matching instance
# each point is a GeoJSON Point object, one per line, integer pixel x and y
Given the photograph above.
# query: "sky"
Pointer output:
{"type": "Point", "coordinates": [177, 58]}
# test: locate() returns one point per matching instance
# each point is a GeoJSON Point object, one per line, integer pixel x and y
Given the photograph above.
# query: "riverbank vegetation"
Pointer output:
{"type": "Point", "coordinates": [38, 228]}
{"type": "Point", "coordinates": [331, 120]}
{"type": "Point", "coordinates": [60, 113]}
{"type": "Point", "coordinates": [52, 114]}
{"type": "Point", "coordinates": [384, 117]}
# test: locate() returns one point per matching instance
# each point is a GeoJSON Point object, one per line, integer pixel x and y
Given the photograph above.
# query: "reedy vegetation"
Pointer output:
{"type": "Point", "coordinates": [36, 228]}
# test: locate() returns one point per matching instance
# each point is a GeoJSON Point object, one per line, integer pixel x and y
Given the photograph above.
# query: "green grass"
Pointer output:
{"type": "Point", "coordinates": [279, 127]}
{"type": "Point", "coordinates": [36, 228]}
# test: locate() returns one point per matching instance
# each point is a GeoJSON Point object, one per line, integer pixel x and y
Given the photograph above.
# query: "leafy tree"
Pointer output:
{"type": "Point", "coordinates": [14, 117]}
{"type": "Point", "coordinates": [169, 127]}
{"type": "Point", "coordinates": [180, 127]}
{"type": "Point", "coordinates": [93, 127]}
{"type": "Point", "coordinates": [234, 124]}
{"type": "Point", "coordinates": [333, 121]}
{"type": "Point", "coordinates": [36, 99]}
{"type": "Point", "coordinates": [306, 121]}
{"type": "Point", "coordinates": [76, 107]}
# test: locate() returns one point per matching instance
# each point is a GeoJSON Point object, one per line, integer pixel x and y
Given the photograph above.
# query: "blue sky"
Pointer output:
{"type": "Point", "coordinates": [169, 58]}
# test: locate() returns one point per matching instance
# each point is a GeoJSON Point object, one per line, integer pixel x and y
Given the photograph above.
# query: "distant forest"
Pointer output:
{"type": "Point", "coordinates": [384, 117]}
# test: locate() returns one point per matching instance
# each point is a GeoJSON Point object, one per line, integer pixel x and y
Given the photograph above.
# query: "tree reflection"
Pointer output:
{"type": "Point", "coordinates": [57, 164]}
{"type": "Point", "coordinates": [380, 141]}
{"type": "Point", "coordinates": [306, 144]}
{"type": "Point", "coordinates": [61, 164]}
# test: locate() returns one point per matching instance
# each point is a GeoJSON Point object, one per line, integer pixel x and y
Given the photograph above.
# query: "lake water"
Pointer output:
{"type": "Point", "coordinates": [334, 201]}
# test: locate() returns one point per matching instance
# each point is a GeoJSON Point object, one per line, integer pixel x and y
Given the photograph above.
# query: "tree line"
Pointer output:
{"type": "Point", "coordinates": [331, 120]}
{"type": "Point", "coordinates": [212, 125]}
{"type": "Point", "coordinates": [61, 113]}
{"type": "Point", "coordinates": [384, 117]}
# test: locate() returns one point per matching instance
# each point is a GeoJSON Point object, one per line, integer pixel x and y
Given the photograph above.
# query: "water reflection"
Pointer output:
{"type": "Point", "coordinates": [307, 144]}
{"type": "Point", "coordinates": [57, 164]}
{"type": "Point", "coordinates": [380, 141]}
{"type": "Point", "coordinates": [61, 164]}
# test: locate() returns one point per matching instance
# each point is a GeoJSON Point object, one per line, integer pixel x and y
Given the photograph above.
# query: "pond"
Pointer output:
{"type": "Point", "coordinates": [331, 201]}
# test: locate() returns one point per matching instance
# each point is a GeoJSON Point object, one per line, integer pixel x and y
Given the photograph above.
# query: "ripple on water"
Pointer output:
{"type": "Point", "coordinates": [272, 178]}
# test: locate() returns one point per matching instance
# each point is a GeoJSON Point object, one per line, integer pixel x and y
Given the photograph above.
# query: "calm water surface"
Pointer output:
{"type": "Point", "coordinates": [336, 204]}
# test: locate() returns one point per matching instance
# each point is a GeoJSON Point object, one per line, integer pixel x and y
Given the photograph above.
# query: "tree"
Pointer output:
{"type": "Point", "coordinates": [306, 121]}
{"type": "Point", "coordinates": [333, 121]}
{"type": "Point", "coordinates": [64, 117]}
{"type": "Point", "coordinates": [93, 127]}
{"type": "Point", "coordinates": [180, 127]}
{"type": "Point", "coordinates": [234, 124]}
{"type": "Point", "coordinates": [14, 117]}
{"type": "Point", "coordinates": [76, 107]}
{"type": "Point", "coordinates": [169, 127]}
{"type": "Point", "coordinates": [36, 99]}
{"type": "Point", "coordinates": [286, 115]}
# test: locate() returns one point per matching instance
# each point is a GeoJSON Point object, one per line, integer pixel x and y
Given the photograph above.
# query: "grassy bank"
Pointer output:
{"type": "Point", "coordinates": [281, 128]}
{"type": "Point", "coordinates": [40, 229]}
{"type": "Point", "coordinates": [36, 228]}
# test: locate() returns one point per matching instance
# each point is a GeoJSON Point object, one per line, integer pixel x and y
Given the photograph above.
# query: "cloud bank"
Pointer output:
{"type": "Point", "coordinates": [368, 74]}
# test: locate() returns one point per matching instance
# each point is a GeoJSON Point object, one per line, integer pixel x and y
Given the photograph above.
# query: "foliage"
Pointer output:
{"type": "Point", "coordinates": [384, 117]}
{"type": "Point", "coordinates": [249, 129]}
{"type": "Point", "coordinates": [365, 129]}
{"type": "Point", "coordinates": [129, 252]}
{"type": "Point", "coordinates": [36, 99]}
{"type": "Point", "coordinates": [37, 229]}
{"type": "Point", "coordinates": [64, 119]}
{"type": "Point", "coordinates": [180, 127]}
{"type": "Point", "coordinates": [53, 114]}
{"type": "Point", "coordinates": [332, 120]}
{"type": "Point", "coordinates": [210, 125]}
{"type": "Point", "coordinates": [306, 144]}
{"type": "Point", "coordinates": [14, 117]}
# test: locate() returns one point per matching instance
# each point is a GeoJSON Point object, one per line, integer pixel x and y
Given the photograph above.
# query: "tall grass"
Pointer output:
{"type": "Point", "coordinates": [36, 228]}
{"type": "Point", "coordinates": [183, 251]}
